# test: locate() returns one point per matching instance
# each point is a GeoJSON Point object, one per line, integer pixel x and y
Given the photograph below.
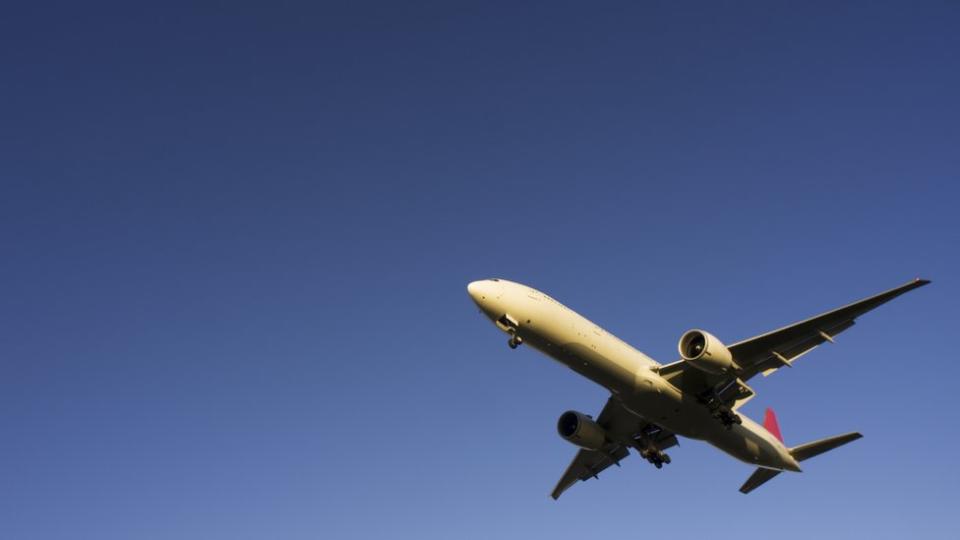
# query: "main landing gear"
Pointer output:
{"type": "Point", "coordinates": [728, 417]}
{"type": "Point", "coordinates": [656, 457]}
{"type": "Point", "coordinates": [721, 411]}
{"type": "Point", "coordinates": [515, 341]}
{"type": "Point", "coordinates": [648, 449]}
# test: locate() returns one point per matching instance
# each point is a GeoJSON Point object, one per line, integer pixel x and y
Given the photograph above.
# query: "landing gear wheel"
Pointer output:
{"type": "Point", "coordinates": [515, 341]}
{"type": "Point", "coordinates": [656, 458]}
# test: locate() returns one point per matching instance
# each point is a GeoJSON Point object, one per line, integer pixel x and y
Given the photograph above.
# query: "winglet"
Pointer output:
{"type": "Point", "coordinates": [770, 423]}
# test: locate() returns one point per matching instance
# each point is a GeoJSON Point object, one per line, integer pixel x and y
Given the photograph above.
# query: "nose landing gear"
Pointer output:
{"type": "Point", "coordinates": [509, 325]}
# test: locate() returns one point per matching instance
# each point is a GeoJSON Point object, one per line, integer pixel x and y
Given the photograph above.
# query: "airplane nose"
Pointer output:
{"type": "Point", "coordinates": [473, 289]}
{"type": "Point", "coordinates": [485, 292]}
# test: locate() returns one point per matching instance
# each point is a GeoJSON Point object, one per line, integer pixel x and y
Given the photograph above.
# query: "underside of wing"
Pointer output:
{"type": "Point", "coordinates": [771, 351]}
{"type": "Point", "coordinates": [624, 430]}
{"type": "Point", "coordinates": [781, 347]}
{"type": "Point", "coordinates": [588, 464]}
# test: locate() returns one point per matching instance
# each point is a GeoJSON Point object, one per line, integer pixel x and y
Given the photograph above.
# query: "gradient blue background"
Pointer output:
{"type": "Point", "coordinates": [236, 239]}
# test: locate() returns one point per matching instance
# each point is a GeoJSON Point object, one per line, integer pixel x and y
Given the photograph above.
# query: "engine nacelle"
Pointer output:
{"type": "Point", "coordinates": [581, 430]}
{"type": "Point", "coordinates": [705, 352]}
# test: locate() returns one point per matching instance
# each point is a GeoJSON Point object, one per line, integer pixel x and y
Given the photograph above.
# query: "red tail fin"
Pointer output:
{"type": "Point", "coordinates": [770, 422]}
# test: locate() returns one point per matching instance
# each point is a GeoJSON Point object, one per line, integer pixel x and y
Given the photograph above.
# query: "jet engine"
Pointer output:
{"type": "Point", "coordinates": [581, 430]}
{"type": "Point", "coordinates": [705, 352]}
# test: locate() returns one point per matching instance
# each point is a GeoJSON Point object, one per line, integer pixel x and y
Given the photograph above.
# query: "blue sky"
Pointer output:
{"type": "Point", "coordinates": [237, 237]}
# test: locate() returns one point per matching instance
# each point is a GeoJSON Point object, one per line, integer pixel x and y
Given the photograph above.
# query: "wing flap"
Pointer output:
{"type": "Point", "coordinates": [791, 351]}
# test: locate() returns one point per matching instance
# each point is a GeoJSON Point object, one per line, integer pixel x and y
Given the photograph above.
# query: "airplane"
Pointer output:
{"type": "Point", "coordinates": [697, 396]}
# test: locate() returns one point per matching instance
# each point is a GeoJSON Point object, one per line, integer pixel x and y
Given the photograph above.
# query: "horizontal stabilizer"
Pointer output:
{"type": "Point", "coordinates": [815, 448]}
{"type": "Point", "coordinates": [757, 479]}
{"type": "Point", "coordinates": [799, 453]}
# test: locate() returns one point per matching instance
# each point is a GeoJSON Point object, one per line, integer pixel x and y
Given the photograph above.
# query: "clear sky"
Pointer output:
{"type": "Point", "coordinates": [236, 239]}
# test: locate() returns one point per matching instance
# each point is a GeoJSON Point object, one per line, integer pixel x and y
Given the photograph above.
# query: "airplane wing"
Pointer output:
{"type": "Point", "coordinates": [628, 430]}
{"type": "Point", "coordinates": [780, 348]}
{"type": "Point", "coordinates": [773, 350]}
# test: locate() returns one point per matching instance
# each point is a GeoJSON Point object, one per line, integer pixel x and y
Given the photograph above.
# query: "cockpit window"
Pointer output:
{"type": "Point", "coordinates": [494, 279]}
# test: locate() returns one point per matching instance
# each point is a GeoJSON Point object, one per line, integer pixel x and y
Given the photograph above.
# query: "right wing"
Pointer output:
{"type": "Point", "coordinates": [625, 428]}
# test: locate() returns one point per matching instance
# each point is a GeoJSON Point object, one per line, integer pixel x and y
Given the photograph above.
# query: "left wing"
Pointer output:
{"type": "Point", "coordinates": [627, 430]}
{"type": "Point", "coordinates": [773, 350]}
{"type": "Point", "coordinates": [780, 348]}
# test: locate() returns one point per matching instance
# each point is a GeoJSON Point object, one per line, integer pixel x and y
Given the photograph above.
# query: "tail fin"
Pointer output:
{"type": "Point", "coordinates": [770, 423]}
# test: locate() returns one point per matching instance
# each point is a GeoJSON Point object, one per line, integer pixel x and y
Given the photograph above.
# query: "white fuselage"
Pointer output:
{"type": "Point", "coordinates": [559, 332]}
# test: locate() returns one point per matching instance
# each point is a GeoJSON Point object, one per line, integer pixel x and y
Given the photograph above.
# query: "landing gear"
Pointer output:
{"type": "Point", "coordinates": [646, 445]}
{"type": "Point", "coordinates": [728, 417]}
{"type": "Point", "coordinates": [721, 411]}
{"type": "Point", "coordinates": [656, 457]}
{"type": "Point", "coordinates": [509, 325]}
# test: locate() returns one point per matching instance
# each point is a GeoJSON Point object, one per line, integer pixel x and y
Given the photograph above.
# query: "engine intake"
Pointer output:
{"type": "Point", "coordinates": [705, 352]}
{"type": "Point", "coordinates": [581, 430]}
